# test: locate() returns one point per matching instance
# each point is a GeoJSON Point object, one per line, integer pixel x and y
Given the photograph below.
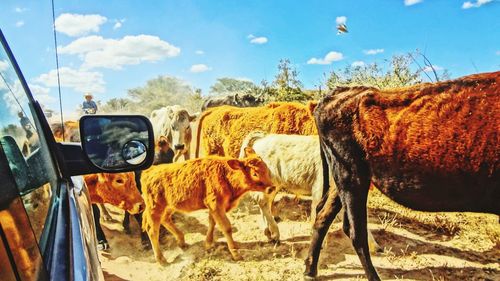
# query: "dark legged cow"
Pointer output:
{"type": "Point", "coordinates": [430, 147]}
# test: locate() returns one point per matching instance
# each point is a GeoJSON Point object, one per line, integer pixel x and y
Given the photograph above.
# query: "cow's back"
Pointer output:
{"type": "Point", "coordinates": [293, 161]}
{"type": "Point", "coordinates": [431, 146]}
{"type": "Point", "coordinates": [224, 128]}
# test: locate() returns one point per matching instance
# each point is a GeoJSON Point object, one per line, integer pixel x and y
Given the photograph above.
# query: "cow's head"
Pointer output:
{"type": "Point", "coordinates": [173, 123]}
{"type": "Point", "coordinates": [256, 173]}
{"type": "Point", "coordinates": [180, 130]}
{"type": "Point", "coordinates": [118, 189]}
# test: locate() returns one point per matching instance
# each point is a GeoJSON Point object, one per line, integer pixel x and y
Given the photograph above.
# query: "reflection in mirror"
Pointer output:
{"type": "Point", "coordinates": [134, 152]}
{"type": "Point", "coordinates": [115, 142]}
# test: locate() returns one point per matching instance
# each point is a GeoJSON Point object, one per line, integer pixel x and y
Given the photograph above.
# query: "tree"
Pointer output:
{"type": "Point", "coordinates": [117, 105]}
{"type": "Point", "coordinates": [159, 92]}
{"type": "Point", "coordinates": [399, 73]}
{"type": "Point", "coordinates": [226, 86]}
{"type": "Point", "coordinates": [286, 84]}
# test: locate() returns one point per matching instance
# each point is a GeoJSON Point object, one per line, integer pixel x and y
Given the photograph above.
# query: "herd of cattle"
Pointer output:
{"type": "Point", "coordinates": [430, 147]}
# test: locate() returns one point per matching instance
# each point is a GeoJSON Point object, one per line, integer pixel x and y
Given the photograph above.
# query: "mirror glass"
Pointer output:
{"type": "Point", "coordinates": [115, 142]}
{"type": "Point", "coordinates": [134, 152]}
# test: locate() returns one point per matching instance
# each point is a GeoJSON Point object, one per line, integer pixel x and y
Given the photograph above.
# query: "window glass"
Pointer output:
{"type": "Point", "coordinates": [27, 154]}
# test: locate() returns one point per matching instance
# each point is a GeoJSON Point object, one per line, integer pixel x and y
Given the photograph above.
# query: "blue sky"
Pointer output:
{"type": "Point", "coordinates": [109, 46]}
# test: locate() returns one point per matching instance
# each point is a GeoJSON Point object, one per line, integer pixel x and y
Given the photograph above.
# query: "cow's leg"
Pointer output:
{"type": "Point", "coordinates": [353, 189]}
{"type": "Point", "coordinates": [101, 238]}
{"type": "Point", "coordinates": [372, 243]}
{"type": "Point", "coordinates": [265, 202]}
{"type": "Point", "coordinates": [126, 223]}
{"type": "Point", "coordinates": [326, 214]}
{"type": "Point", "coordinates": [167, 222]}
{"type": "Point", "coordinates": [151, 224]}
{"type": "Point", "coordinates": [209, 241]}
{"type": "Point", "coordinates": [221, 219]}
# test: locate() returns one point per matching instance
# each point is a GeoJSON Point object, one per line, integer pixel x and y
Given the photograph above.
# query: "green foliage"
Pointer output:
{"type": "Point", "coordinates": [226, 86]}
{"type": "Point", "coordinates": [116, 105]}
{"type": "Point", "coordinates": [286, 85]}
{"type": "Point", "coordinates": [398, 74]}
{"type": "Point", "coordinates": [159, 92]}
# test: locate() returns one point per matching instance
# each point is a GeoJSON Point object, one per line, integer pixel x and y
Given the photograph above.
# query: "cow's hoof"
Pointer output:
{"type": "Point", "coordinates": [209, 245]}
{"type": "Point", "coordinates": [162, 261]}
{"type": "Point", "coordinates": [309, 278]}
{"type": "Point", "coordinates": [183, 245]}
{"type": "Point", "coordinates": [236, 256]}
{"type": "Point", "coordinates": [102, 245]}
{"type": "Point", "coordinates": [277, 219]}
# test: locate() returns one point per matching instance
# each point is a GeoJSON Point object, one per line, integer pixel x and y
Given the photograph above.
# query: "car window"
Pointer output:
{"type": "Point", "coordinates": [27, 153]}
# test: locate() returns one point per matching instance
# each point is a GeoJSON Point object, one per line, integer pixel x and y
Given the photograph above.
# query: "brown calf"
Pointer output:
{"type": "Point", "coordinates": [215, 183]}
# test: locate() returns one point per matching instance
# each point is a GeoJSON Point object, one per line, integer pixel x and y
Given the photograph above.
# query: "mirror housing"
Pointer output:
{"type": "Point", "coordinates": [117, 143]}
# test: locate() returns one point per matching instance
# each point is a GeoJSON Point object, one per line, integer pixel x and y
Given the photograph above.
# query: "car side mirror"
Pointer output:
{"type": "Point", "coordinates": [116, 143]}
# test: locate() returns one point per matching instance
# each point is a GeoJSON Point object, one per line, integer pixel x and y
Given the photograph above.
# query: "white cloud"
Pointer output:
{"type": "Point", "coordinates": [412, 2]}
{"type": "Point", "coordinates": [257, 40]}
{"type": "Point", "coordinates": [358, 63]}
{"type": "Point", "coordinates": [341, 20]}
{"type": "Point", "coordinates": [118, 24]}
{"type": "Point", "coordinates": [498, 53]}
{"type": "Point", "coordinates": [78, 25]}
{"type": "Point", "coordinates": [436, 68]}
{"type": "Point", "coordinates": [328, 59]}
{"type": "Point", "coordinates": [198, 68]}
{"type": "Point", "coordinates": [373, 51]}
{"type": "Point", "coordinates": [199, 52]}
{"type": "Point", "coordinates": [96, 51]}
{"type": "Point", "coordinates": [479, 3]}
{"type": "Point", "coordinates": [78, 80]}
{"type": "Point", "coordinates": [4, 65]}
{"type": "Point", "coordinates": [20, 10]}
{"type": "Point", "coordinates": [42, 94]}
{"type": "Point", "coordinates": [19, 23]}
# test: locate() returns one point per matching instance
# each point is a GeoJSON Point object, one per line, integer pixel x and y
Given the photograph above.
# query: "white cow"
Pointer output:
{"type": "Point", "coordinates": [173, 122]}
{"type": "Point", "coordinates": [294, 163]}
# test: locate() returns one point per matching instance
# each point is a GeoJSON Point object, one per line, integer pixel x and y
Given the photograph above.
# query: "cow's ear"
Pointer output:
{"type": "Point", "coordinates": [311, 106]}
{"type": "Point", "coordinates": [234, 164]}
{"type": "Point", "coordinates": [249, 152]}
{"type": "Point", "coordinates": [192, 117]}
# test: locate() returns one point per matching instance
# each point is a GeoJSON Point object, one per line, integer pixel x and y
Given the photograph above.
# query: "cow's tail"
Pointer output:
{"type": "Point", "coordinates": [326, 179]}
{"type": "Point", "coordinates": [249, 140]}
{"type": "Point", "coordinates": [198, 134]}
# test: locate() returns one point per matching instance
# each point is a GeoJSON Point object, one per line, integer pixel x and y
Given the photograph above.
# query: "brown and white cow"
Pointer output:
{"type": "Point", "coordinates": [294, 166]}
{"type": "Point", "coordinates": [430, 147]}
{"type": "Point", "coordinates": [173, 122]}
{"type": "Point", "coordinates": [215, 183]}
{"type": "Point", "coordinates": [117, 189]}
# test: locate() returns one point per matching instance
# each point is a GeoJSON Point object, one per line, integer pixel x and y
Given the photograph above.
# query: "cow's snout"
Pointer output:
{"type": "Point", "coordinates": [179, 146]}
{"type": "Point", "coordinates": [138, 208]}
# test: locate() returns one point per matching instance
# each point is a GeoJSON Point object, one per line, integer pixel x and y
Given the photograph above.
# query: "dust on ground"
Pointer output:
{"type": "Point", "coordinates": [417, 246]}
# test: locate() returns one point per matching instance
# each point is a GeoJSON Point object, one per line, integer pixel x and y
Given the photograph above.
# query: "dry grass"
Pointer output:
{"type": "Point", "coordinates": [418, 246]}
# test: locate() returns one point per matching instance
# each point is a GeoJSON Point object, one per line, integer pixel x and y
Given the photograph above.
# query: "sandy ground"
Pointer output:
{"type": "Point", "coordinates": [417, 246]}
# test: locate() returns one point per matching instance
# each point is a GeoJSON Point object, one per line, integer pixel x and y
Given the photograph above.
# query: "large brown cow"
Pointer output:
{"type": "Point", "coordinates": [223, 128]}
{"type": "Point", "coordinates": [214, 183]}
{"type": "Point", "coordinates": [430, 147]}
{"type": "Point", "coordinates": [119, 190]}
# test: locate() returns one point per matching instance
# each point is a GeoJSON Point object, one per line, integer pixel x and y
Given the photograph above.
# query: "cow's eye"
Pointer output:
{"type": "Point", "coordinates": [255, 174]}
{"type": "Point", "coordinates": [120, 181]}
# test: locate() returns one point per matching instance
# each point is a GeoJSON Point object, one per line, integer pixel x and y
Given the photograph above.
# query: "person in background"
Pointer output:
{"type": "Point", "coordinates": [89, 106]}
{"type": "Point", "coordinates": [25, 124]}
